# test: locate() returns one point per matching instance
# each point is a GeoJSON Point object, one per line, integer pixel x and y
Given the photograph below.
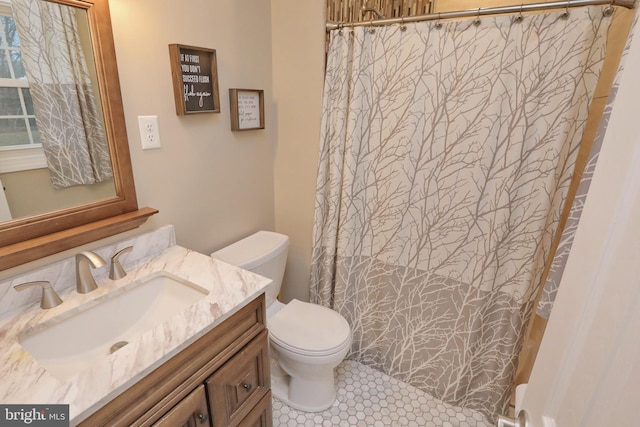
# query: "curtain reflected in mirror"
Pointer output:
{"type": "Point", "coordinates": [54, 152]}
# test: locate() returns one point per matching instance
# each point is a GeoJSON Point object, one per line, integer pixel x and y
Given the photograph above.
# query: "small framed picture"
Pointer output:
{"type": "Point", "coordinates": [247, 109]}
{"type": "Point", "coordinates": [194, 71]}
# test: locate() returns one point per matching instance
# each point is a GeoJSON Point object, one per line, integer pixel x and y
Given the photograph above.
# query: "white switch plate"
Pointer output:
{"type": "Point", "coordinates": [149, 132]}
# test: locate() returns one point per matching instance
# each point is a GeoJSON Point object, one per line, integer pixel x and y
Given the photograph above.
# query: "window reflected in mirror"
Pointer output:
{"type": "Point", "coordinates": [17, 120]}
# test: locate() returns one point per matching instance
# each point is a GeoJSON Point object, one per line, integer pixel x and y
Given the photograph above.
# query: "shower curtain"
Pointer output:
{"type": "Point", "coordinates": [67, 112]}
{"type": "Point", "coordinates": [446, 153]}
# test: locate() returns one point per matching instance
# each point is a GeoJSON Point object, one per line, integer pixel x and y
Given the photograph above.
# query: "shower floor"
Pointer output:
{"type": "Point", "coordinates": [369, 398]}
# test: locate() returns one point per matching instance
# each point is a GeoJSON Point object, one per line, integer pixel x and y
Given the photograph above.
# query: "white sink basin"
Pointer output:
{"type": "Point", "coordinates": [76, 340]}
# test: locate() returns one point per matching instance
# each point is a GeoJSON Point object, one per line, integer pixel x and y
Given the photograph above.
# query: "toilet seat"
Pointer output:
{"type": "Point", "coordinates": [309, 329]}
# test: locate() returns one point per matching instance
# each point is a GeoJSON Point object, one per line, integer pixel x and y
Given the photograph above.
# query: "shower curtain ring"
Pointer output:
{"type": "Point", "coordinates": [402, 26]}
{"type": "Point", "coordinates": [608, 10]}
{"type": "Point", "coordinates": [565, 14]}
{"type": "Point", "coordinates": [438, 23]}
{"type": "Point", "coordinates": [520, 17]}
{"type": "Point", "coordinates": [371, 29]}
{"type": "Point", "coordinates": [476, 21]}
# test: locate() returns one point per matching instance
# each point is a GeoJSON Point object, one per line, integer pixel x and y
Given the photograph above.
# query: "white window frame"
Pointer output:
{"type": "Point", "coordinates": [20, 157]}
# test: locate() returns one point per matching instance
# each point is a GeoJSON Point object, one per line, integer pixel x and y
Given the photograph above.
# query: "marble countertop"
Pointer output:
{"type": "Point", "coordinates": [24, 381]}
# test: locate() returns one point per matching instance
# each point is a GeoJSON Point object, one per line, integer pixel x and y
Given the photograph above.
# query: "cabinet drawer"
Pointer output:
{"type": "Point", "coordinates": [192, 411]}
{"type": "Point", "coordinates": [260, 415]}
{"type": "Point", "coordinates": [240, 384]}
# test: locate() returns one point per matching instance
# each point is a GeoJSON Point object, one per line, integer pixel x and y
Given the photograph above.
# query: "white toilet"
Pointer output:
{"type": "Point", "coordinates": [307, 341]}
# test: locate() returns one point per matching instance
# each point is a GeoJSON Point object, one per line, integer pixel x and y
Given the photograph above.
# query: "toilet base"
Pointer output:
{"type": "Point", "coordinates": [301, 394]}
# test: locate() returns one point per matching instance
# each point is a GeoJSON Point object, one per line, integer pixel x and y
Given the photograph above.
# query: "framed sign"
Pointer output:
{"type": "Point", "coordinates": [194, 71]}
{"type": "Point", "coordinates": [247, 109]}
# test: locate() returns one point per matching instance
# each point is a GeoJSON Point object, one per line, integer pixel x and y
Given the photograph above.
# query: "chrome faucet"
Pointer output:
{"type": "Point", "coordinates": [85, 282]}
{"type": "Point", "coordinates": [49, 297]}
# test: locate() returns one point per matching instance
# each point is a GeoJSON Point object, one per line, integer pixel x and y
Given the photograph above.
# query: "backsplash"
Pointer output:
{"type": "Point", "coordinates": [61, 274]}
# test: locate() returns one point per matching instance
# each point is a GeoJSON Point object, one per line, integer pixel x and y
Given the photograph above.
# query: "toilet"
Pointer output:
{"type": "Point", "coordinates": [307, 341]}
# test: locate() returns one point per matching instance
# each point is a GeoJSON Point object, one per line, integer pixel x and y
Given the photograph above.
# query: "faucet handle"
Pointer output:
{"type": "Point", "coordinates": [49, 298]}
{"type": "Point", "coordinates": [116, 271]}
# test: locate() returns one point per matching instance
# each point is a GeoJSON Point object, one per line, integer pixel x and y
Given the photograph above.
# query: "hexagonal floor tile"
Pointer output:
{"type": "Point", "coordinates": [411, 406]}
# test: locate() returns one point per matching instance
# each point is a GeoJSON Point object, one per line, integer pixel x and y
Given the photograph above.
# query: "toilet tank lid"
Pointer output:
{"type": "Point", "coordinates": [253, 250]}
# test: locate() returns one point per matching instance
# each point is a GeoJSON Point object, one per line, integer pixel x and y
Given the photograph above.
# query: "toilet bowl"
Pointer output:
{"type": "Point", "coordinates": [307, 341]}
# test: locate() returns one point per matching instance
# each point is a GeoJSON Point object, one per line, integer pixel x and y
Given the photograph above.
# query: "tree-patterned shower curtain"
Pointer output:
{"type": "Point", "coordinates": [69, 119]}
{"type": "Point", "coordinates": [446, 153]}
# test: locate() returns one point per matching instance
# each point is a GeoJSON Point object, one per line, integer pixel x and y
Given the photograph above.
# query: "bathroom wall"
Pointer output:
{"type": "Point", "coordinates": [298, 33]}
{"type": "Point", "coordinates": [212, 184]}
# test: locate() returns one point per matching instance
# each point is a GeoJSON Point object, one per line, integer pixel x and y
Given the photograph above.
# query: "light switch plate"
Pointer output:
{"type": "Point", "coordinates": [149, 132]}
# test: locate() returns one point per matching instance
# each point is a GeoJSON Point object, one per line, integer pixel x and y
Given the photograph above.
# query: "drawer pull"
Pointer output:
{"type": "Point", "coordinates": [246, 386]}
{"type": "Point", "coordinates": [203, 418]}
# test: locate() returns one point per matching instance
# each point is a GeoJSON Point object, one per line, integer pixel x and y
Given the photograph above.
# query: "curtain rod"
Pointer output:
{"type": "Point", "coordinates": [629, 4]}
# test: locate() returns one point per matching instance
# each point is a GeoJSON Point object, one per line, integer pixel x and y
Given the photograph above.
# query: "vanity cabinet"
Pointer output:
{"type": "Point", "coordinates": [222, 379]}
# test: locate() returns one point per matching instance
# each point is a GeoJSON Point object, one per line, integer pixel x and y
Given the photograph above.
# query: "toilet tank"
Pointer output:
{"type": "Point", "coordinates": [263, 253]}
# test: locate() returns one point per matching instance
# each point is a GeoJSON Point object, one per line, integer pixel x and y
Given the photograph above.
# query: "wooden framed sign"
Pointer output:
{"type": "Point", "coordinates": [247, 109]}
{"type": "Point", "coordinates": [195, 79]}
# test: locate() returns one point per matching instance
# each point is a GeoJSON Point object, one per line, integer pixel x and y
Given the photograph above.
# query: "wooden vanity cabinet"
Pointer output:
{"type": "Point", "coordinates": [220, 380]}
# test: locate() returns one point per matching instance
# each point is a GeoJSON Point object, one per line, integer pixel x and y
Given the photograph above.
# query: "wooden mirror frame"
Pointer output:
{"type": "Point", "coordinates": [27, 239]}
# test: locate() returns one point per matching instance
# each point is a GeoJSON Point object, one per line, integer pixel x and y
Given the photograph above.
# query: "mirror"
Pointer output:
{"type": "Point", "coordinates": [30, 92]}
{"type": "Point", "coordinates": [113, 209]}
